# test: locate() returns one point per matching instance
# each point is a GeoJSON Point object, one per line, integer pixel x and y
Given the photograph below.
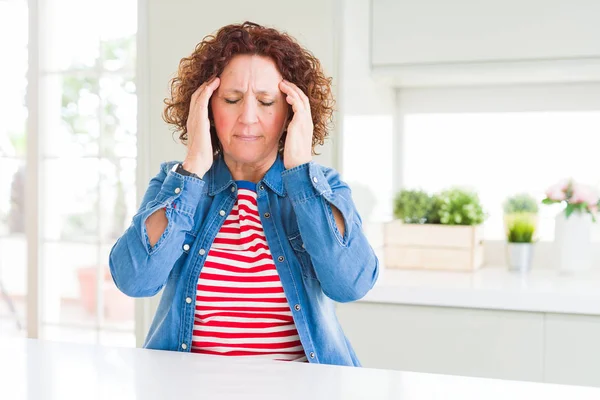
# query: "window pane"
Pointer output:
{"type": "Point", "coordinates": [13, 118]}
{"type": "Point", "coordinates": [13, 285]}
{"type": "Point", "coordinates": [118, 201]}
{"type": "Point", "coordinates": [500, 154]}
{"type": "Point", "coordinates": [13, 113]}
{"type": "Point", "coordinates": [119, 53]}
{"type": "Point", "coordinates": [368, 142]}
{"type": "Point", "coordinates": [70, 281]}
{"type": "Point", "coordinates": [70, 199]}
{"type": "Point", "coordinates": [69, 115]}
{"type": "Point", "coordinates": [12, 197]}
{"type": "Point", "coordinates": [71, 34]}
{"type": "Point", "coordinates": [119, 111]}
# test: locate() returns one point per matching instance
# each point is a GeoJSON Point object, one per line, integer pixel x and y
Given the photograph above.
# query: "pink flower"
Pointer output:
{"type": "Point", "coordinates": [583, 194]}
{"type": "Point", "coordinates": [557, 192]}
{"type": "Point", "coordinates": [593, 208]}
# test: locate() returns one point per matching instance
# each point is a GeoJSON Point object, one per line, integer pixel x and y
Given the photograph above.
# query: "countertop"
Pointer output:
{"type": "Point", "coordinates": [493, 288]}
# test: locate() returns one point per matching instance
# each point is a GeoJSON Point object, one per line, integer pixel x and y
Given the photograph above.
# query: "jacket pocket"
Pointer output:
{"type": "Point", "coordinates": [302, 255]}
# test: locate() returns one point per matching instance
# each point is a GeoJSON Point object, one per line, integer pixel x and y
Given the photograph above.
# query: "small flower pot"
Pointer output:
{"type": "Point", "coordinates": [519, 256]}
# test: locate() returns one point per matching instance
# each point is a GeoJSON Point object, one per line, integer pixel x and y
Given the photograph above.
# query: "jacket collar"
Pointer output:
{"type": "Point", "coordinates": [219, 177]}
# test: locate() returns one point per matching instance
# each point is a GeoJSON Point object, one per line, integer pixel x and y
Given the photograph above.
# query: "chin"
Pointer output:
{"type": "Point", "coordinates": [248, 154]}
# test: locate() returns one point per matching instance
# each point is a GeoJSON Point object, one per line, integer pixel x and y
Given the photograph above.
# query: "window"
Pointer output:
{"type": "Point", "coordinates": [88, 162]}
{"type": "Point", "coordinates": [367, 164]}
{"type": "Point", "coordinates": [87, 113]}
{"type": "Point", "coordinates": [13, 119]}
{"type": "Point", "coordinates": [500, 154]}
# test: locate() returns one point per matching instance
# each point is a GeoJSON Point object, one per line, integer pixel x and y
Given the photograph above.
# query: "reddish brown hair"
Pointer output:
{"type": "Point", "coordinates": [296, 65]}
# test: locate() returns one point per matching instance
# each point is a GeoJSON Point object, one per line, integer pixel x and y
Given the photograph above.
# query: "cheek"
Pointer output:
{"type": "Point", "coordinates": [275, 118]}
{"type": "Point", "coordinates": [223, 118]}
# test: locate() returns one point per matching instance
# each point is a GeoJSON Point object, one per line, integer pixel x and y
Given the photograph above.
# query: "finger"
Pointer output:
{"type": "Point", "coordinates": [198, 91]}
{"type": "Point", "coordinates": [208, 84]}
{"type": "Point", "coordinates": [300, 94]}
{"type": "Point", "coordinates": [207, 92]}
{"type": "Point", "coordinates": [293, 100]}
{"type": "Point", "coordinates": [292, 96]}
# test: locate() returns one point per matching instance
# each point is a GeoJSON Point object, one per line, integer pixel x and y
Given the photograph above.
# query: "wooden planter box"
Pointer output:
{"type": "Point", "coordinates": [434, 247]}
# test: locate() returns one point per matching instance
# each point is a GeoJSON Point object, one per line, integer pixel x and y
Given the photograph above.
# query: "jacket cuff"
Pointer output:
{"type": "Point", "coordinates": [181, 192]}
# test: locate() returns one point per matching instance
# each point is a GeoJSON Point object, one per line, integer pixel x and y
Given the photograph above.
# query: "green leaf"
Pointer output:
{"type": "Point", "coordinates": [412, 206]}
{"type": "Point", "coordinates": [522, 202]}
{"type": "Point", "coordinates": [569, 210]}
{"type": "Point", "coordinates": [521, 228]}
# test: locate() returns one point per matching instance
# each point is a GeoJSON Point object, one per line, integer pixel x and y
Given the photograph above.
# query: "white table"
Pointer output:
{"type": "Point", "coordinates": [491, 288]}
{"type": "Point", "coordinates": [32, 369]}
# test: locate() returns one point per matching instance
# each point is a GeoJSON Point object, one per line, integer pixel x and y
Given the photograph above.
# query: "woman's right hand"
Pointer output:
{"type": "Point", "coordinates": [200, 152]}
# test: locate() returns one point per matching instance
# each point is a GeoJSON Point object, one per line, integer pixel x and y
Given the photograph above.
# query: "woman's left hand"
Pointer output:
{"type": "Point", "coordinates": [298, 144]}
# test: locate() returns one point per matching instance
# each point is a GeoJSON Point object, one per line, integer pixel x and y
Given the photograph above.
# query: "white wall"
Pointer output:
{"type": "Point", "coordinates": [170, 29]}
{"type": "Point", "coordinates": [471, 42]}
{"type": "Point", "coordinates": [438, 31]}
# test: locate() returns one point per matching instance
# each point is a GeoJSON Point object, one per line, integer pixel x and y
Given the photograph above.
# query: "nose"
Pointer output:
{"type": "Point", "coordinates": [249, 111]}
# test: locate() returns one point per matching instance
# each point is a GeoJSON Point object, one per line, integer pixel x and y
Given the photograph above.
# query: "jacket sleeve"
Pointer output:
{"type": "Point", "coordinates": [346, 266]}
{"type": "Point", "coordinates": [139, 269]}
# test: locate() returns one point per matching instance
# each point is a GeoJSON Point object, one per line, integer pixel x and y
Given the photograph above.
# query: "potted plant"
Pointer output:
{"type": "Point", "coordinates": [519, 204]}
{"type": "Point", "coordinates": [443, 231]}
{"type": "Point", "coordinates": [520, 223]}
{"type": "Point", "coordinates": [573, 223]}
{"type": "Point", "coordinates": [520, 235]}
{"type": "Point", "coordinates": [412, 206]}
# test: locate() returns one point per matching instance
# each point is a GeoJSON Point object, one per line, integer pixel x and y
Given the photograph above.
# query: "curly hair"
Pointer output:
{"type": "Point", "coordinates": [296, 65]}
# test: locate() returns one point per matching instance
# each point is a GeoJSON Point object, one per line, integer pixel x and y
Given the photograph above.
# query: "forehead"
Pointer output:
{"type": "Point", "coordinates": [243, 70]}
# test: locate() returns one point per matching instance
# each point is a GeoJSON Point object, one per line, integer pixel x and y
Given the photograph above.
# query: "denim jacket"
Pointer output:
{"type": "Point", "coordinates": [316, 264]}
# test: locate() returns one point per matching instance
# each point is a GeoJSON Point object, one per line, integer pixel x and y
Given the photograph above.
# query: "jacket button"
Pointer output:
{"type": "Point", "coordinates": [202, 252]}
{"type": "Point", "coordinates": [222, 213]}
{"type": "Point", "coordinates": [177, 190]}
{"type": "Point", "coordinates": [232, 189]}
{"type": "Point", "coordinates": [261, 187]}
{"type": "Point", "coordinates": [280, 258]}
{"type": "Point", "coordinates": [186, 247]}
{"type": "Point", "coordinates": [312, 354]}
{"type": "Point", "coordinates": [188, 300]}
{"type": "Point", "coordinates": [183, 346]}
{"type": "Point", "coordinates": [315, 180]}
{"type": "Point", "coordinates": [267, 215]}
{"type": "Point", "coordinates": [297, 307]}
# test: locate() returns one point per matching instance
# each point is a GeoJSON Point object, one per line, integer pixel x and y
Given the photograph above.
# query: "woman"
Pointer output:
{"type": "Point", "coordinates": [250, 238]}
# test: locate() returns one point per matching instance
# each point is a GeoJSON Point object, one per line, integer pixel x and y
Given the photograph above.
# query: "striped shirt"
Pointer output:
{"type": "Point", "coordinates": [241, 309]}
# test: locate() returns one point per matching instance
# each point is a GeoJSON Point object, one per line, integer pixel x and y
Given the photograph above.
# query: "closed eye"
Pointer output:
{"type": "Point", "coordinates": [231, 101]}
{"type": "Point", "coordinates": [267, 104]}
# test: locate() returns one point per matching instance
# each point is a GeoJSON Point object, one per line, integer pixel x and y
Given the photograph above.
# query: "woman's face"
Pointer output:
{"type": "Point", "coordinates": [249, 110]}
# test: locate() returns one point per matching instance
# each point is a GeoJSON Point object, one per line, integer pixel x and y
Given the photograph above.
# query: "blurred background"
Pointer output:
{"type": "Point", "coordinates": [500, 97]}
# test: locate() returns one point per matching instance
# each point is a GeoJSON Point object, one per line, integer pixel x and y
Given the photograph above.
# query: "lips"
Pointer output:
{"type": "Point", "coordinates": [247, 138]}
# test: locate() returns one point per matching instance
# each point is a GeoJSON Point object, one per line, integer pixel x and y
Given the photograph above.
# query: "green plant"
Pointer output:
{"type": "Point", "coordinates": [521, 229]}
{"type": "Point", "coordinates": [521, 203]}
{"type": "Point", "coordinates": [412, 206]}
{"type": "Point", "coordinates": [458, 206]}
{"type": "Point", "coordinates": [433, 215]}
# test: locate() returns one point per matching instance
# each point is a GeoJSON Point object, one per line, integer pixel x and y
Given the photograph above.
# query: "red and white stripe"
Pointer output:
{"type": "Point", "coordinates": [241, 309]}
